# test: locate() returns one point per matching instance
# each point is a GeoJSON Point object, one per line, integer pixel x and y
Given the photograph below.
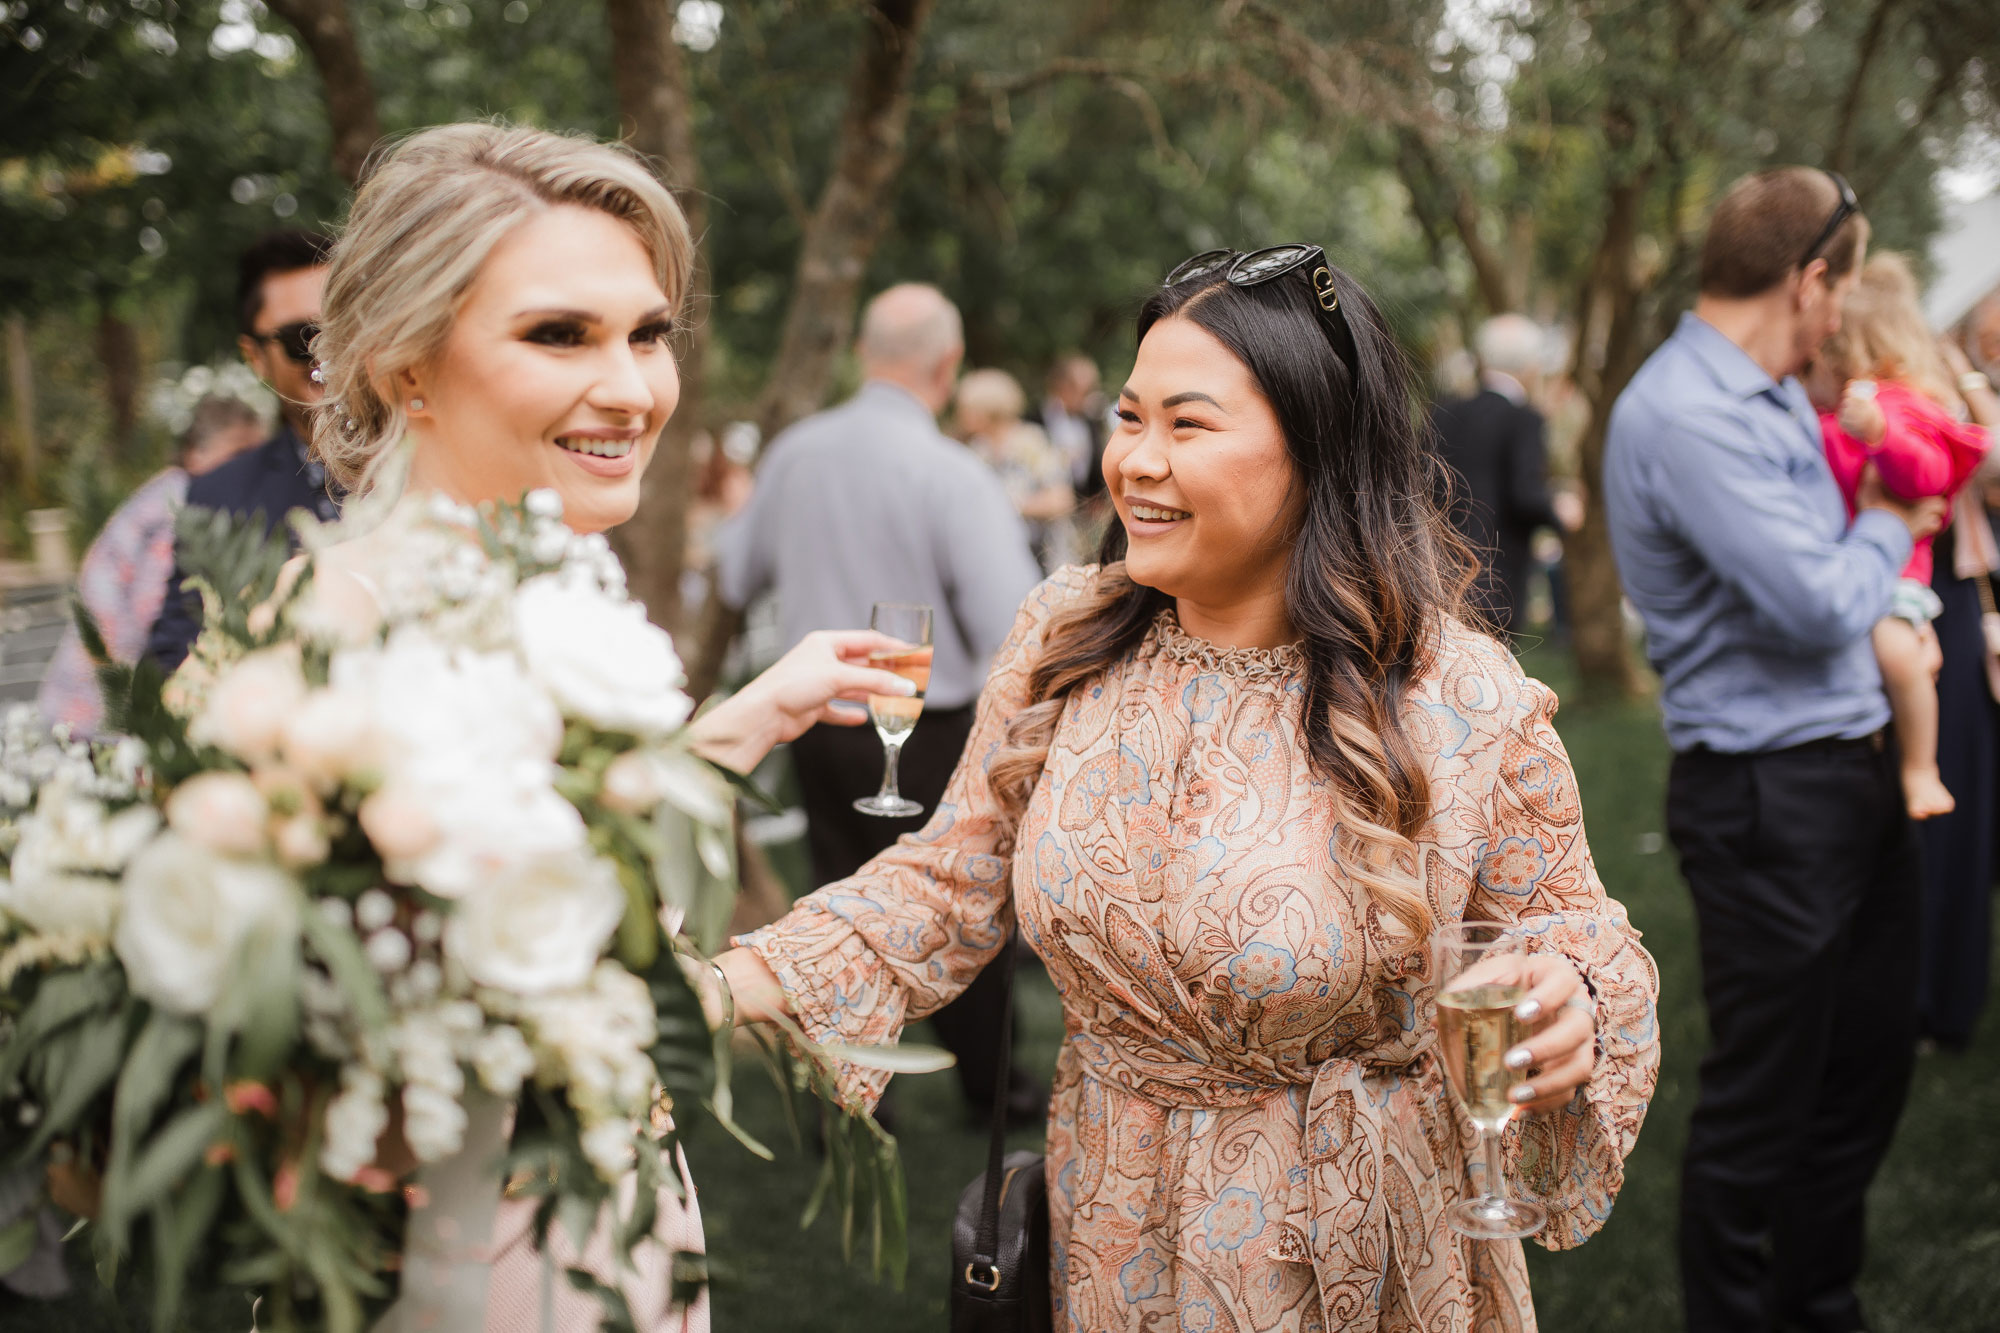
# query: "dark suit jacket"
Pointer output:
{"type": "Point", "coordinates": [1499, 465]}
{"type": "Point", "coordinates": [1093, 480]}
{"type": "Point", "coordinates": [269, 482]}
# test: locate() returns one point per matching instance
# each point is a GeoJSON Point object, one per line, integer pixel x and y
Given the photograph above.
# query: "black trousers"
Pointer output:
{"type": "Point", "coordinates": [837, 766]}
{"type": "Point", "coordinates": [1958, 847]}
{"type": "Point", "coordinates": [1803, 869]}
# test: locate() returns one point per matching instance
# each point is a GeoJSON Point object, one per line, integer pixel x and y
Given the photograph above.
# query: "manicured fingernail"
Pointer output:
{"type": "Point", "coordinates": [1528, 1010]}
{"type": "Point", "coordinates": [905, 687]}
{"type": "Point", "coordinates": [1518, 1058]}
{"type": "Point", "coordinates": [1523, 1092]}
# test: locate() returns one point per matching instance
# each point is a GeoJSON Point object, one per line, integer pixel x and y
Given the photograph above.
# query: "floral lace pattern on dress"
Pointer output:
{"type": "Point", "coordinates": [1246, 1131]}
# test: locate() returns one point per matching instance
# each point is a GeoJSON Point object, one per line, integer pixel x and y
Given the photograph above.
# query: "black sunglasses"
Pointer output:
{"type": "Point", "coordinates": [295, 340]}
{"type": "Point", "coordinates": [1267, 265]}
{"type": "Point", "coordinates": [1842, 211]}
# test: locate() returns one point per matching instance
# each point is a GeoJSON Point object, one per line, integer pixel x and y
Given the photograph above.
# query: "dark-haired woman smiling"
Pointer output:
{"type": "Point", "coordinates": [1227, 784]}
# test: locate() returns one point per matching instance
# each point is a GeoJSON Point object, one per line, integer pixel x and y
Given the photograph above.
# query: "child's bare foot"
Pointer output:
{"type": "Point", "coordinates": [1925, 795]}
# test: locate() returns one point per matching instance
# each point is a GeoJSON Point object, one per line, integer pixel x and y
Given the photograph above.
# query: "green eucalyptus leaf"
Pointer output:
{"type": "Point", "coordinates": [62, 999]}
{"type": "Point", "coordinates": [181, 1224]}
{"type": "Point", "coordinates": [162, 1164]}
{"type": "Point", "coordinates": [96, 1049]}
{"type": "Point", "coordinates": [336, 946]}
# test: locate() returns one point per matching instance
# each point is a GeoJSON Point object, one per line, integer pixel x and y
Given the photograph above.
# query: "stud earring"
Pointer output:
{"type": "Point", "coordinates": [416, 404]}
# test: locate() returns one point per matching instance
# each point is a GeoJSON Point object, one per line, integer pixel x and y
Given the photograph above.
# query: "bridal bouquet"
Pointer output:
{"type": "Point", "coordinates": [353, 868]}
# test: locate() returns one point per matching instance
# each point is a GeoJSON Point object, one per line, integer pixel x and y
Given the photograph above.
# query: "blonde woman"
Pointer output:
{"type": "Point", "coordinates": [987, 406]}
{"type": "Point", "coordinates": [1225, 785]}
{"type": "Point", "coordinates": [498, 318]}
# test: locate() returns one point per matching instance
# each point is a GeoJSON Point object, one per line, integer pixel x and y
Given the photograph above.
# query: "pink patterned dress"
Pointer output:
{"type": "Point", "coordinates": [1247, 1131]}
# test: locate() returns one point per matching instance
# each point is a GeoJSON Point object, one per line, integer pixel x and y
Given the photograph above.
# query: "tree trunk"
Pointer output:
{"type": "Point", "coordinates": [1842, 158]}
{"type": "Point", "coordinates": [1611, 294]}
{"type": "Point", "coordinates": [656, 115]}
{"type": "Point", "coordinates": [848, 220]}
{"type": "Point", "coordinates": [328, 34]}
{"type": "Point", "coordinates": [118, 353]}
{"type": "Point", "coordinates": [21, 402]}
{"type": "Point", "coordinates": [833, 258]}
{"type": "Point", "coordinates": [1421, 171]}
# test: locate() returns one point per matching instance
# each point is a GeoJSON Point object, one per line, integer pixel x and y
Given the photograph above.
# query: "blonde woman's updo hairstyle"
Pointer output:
{"type": "Point", "coordinates": [429, 212]}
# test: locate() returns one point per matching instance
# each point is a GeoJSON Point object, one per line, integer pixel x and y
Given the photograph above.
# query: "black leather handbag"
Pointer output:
{"type": "Point", "coordinates": [1000, 1236]}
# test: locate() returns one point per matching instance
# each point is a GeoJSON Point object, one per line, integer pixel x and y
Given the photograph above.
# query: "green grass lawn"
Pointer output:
{"type": "Point", "coordinates": [1934, 1254]}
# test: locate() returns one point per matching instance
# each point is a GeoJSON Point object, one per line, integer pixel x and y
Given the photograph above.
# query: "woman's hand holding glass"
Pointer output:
{"type": "Point", "coordinates": [798, 690]}
{"type": "Point", "coordinates": [1562, 1031]}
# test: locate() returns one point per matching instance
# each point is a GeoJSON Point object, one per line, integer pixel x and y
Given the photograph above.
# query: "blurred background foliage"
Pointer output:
{"type": "Point", "coordinates": [1460, 156]}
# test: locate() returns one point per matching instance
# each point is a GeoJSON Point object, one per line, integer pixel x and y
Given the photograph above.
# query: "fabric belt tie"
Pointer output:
{"type": "Point", "coordinates": [1371, 1199]}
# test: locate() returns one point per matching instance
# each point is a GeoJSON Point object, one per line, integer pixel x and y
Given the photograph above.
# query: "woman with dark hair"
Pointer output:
{"type": "Point", "coordinates": [1226, 781]}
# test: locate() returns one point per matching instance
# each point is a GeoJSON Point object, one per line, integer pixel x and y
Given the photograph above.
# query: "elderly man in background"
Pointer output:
{"type": "Point", "coordinates": [870, 502]}
{"type": "Point", "coordinates": [1495, 445]}
{"type": "Point", "coordinates": [124, 576]}
{"type": "Point", "coordinates": [1072, 416]}
{"type": "Point", "coordinates": [1784, 799]}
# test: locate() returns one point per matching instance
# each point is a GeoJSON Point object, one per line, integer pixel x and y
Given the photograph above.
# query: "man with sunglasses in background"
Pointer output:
{"type": "Point", "coordinates": [280, 283]}
{"type": "Point", "coordinates": [1784, 799]}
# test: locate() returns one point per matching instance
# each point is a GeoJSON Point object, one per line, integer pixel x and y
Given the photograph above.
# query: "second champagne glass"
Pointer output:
{"type": "Point", "coordinates": [1476, 964]}
{"type": "Point", "coordinates": [895, 716]}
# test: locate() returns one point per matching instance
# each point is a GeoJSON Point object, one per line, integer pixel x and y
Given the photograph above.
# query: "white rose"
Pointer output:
{"type": "Point", "coordinates": [631, 785]}
{"type": "Point", "coordinates": [251, 701]}
{"type": "Point", "coordinates": [502, 1060]}
{"type": "Point", "coordinates": [188, 912]}
{"type": "Point", "coordinates": [301, 841]}
{"type": "Point", "coordinates": [224, 812]}
{"type": "Point", "coordinates": [433, 1122]}
{"type": "Point", "coordinates": [398, 824]}
{"type": "Point", "coordinates": [600, 657]}
{"type": "Point", "coordinates": [64, 866]}
{"type": "Point", "coordinates": [488, 819]}
{"type": "Point", "coordinates": [540, 926]}
{"type": "Point", "coordinates": [355, 1119]}
{"type": "Point", "coordinates": [325, 739]}
{"type": "Point", "coordinates": [414, 700]}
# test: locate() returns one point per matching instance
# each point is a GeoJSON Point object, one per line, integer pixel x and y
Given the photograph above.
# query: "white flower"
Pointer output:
{"type": "Point", "coordinates": [300, 841]}
{"type": "Point", "coordinates": [424, 1051]}
{"type": "Point", "coordinates": [609, 1147]}
{"type": "Point", "coordinates": [374, 909]}
{"type": "Point", "coordinates": [414, 699]}
{"type": "Point", "coordinates": [433, 1122]}
{"type": "Point", "coordinates": [487, 821]}
{"type": "Point", "coordinates": [388, 950]}
{"type": "Point", "coordinates": [63, 868]}
{"type": "Point", "coordinates": [539, 927]}
{"type": "Point", "coordinates": [324, 740]}
{"type": "Point", "coordinates": [187, 912]}
{"type": "Point", "coordinates": [250, 703]}
{"type": "Point", "coordinates": [355, 1119]}
{"type": "Point", "coordinates": [224, 812]}
{"type": "Point", "coordinates": [600, 657]}
{"type": "Point", "coordinates": [502, 1060]}
{"type": "Point", "coordinates": [543, 502]}
{"type": "Point", "coordinates": [631, 785]}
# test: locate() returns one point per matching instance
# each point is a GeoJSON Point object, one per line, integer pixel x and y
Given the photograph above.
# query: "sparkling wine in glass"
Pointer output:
{"type": "Point", "coordinates": [1478, 976]}
{"type": "Point", "coordinates": [895, 715]}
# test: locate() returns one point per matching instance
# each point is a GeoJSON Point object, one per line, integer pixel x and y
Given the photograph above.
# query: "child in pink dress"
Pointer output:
{"type": "Point", "coordinates": [1900, 413]}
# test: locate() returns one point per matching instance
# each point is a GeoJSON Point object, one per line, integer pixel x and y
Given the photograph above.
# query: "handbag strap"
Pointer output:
{"type": "Point", "coordinates": [986, 1238]}
{"type": "Point", "coordinates": [1982, 583]}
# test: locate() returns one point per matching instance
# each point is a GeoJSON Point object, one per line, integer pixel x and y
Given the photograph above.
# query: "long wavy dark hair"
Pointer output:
{"type": "Point", "coordinates": [1376, 570]}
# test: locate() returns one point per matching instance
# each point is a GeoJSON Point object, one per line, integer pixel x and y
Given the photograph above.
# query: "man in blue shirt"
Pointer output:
{"type": "Point", "coordinates": [1784, 803]}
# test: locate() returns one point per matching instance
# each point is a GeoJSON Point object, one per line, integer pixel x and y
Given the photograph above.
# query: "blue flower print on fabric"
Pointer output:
{"type": "Point", "coordinates": [1512, 868]}
{"type": "Point", "coordinates": [1449, 729]}
{"type": "Point", "coordinates": [1052, 872]}
{"type": "Point", "coordinates": [1140, 1275]}
{"type": "Point", "coordinates": [1236, 1215]}
{"type": "Point", "coordinates": [1135, 780]}
{"type": "Point", "coordinates": [1202, 696]}
{"type": "Point", "coordinates": [1260, 970]}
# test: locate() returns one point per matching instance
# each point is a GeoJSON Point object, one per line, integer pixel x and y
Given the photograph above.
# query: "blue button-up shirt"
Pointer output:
{"type": "Point", "coordinates": [1734, 545]}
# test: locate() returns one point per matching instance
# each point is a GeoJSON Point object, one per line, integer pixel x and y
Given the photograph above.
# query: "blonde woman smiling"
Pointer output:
{"type": "Point", "coordinates": [503, 300]}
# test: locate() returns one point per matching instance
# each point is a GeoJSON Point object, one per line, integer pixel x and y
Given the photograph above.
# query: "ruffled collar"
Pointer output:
{"type": "Point", "coordinates": [1177, 645]}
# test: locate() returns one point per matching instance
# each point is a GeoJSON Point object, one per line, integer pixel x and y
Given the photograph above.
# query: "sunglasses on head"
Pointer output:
{"type": "Point", "coordinates": [1268, 265]}
{"type": "Point", "coordinates": [1846, 208]}
{"type": "Point", "coordinates": [294, 340]}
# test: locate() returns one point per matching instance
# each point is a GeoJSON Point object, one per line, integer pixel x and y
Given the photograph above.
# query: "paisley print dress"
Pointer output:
{"type": "Point", "coordinates": [1247, 1130]}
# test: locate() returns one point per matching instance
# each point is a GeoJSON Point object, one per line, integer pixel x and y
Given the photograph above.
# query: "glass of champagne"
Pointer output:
{"type": "Point", "coordinates": [895, 716]}
{"type": "Point", "coordinates": [1477, 966]}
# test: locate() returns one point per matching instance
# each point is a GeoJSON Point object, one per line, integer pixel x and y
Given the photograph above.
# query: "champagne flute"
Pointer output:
{"type": "Point", "coordinates": [895, 716]}
{"type": "Point", "coordinates": [1478, 976]}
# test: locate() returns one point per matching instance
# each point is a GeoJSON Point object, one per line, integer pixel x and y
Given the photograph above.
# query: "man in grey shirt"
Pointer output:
{"type": "Point", "coordinates": [869, 502]}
